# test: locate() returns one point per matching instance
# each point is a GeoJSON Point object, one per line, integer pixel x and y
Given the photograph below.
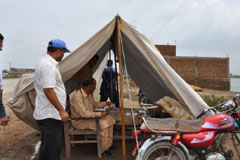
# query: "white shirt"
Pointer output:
{"type": "Point", "coordinates": [47, 75]}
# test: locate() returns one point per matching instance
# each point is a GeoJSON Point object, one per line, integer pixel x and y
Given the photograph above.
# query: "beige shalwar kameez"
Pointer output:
{"type": "Point", "coordinates": [82, 106]}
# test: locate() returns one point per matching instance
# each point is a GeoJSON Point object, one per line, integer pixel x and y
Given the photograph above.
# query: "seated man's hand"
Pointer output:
{"type": "Point", "coordinates": [4, 121]}
{"type": "Point", "coordinates": [104, 114]}
{"type": "Point", "coordinates": [64, 115]}
{"type": "Point", "coordinates": [108, 103]}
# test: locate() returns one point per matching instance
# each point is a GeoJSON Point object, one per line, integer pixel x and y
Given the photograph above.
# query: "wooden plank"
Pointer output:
{"type": "Point", "coordinates": [82, 132]}
{"type": "Point", "coordinates": [127, 118]}
{"type": "Point", "coordinates": [83, 141]}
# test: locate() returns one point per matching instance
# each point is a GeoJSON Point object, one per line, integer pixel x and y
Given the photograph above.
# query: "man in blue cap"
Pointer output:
{"type": "Point", "coordinates": [50, 102]}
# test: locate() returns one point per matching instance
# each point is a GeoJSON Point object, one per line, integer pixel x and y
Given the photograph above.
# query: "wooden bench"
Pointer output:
{"type": "Point", "coordinates": [70, 132]}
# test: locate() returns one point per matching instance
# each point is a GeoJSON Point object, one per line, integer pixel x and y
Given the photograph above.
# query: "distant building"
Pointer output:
{"type": "Point", "coordinates": [20, 71]}
{"type": "Point", "coordinates": [205, 72]}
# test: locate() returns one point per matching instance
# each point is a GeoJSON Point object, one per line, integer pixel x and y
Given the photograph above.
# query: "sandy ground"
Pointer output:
{"type": "Point", "coordinates": [18, 140]}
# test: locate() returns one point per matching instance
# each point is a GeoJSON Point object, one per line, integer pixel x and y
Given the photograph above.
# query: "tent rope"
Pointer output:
{"type": "Point", "coordinates": [130, 96]}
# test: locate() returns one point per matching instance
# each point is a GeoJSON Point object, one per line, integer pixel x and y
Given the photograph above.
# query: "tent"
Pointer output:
{"type": "Point", "coordinates": [144, 63]}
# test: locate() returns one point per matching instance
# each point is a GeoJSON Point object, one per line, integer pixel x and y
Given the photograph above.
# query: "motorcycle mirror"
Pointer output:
{"type": "Point", "coordinates": [237, 98]}
{"type": "Point", "coordinates": [228, 105]}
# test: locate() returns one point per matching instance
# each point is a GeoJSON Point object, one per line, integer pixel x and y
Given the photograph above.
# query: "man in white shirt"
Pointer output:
{"type": "Point", "coordinates": [3, 117]}
{"type": "Point", "coordinates": [50, 100]}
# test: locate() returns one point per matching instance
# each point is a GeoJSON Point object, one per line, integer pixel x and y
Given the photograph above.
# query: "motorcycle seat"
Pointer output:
{"type": "Point", "coordinates": [173, 124]}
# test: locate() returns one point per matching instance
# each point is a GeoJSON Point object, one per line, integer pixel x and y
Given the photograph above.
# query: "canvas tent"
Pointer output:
{"type": "Point", "coordinates": [145, 65]}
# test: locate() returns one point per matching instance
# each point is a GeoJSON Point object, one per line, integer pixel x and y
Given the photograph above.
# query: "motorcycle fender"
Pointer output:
{"type": "Point", "coordinates": [150, 142]}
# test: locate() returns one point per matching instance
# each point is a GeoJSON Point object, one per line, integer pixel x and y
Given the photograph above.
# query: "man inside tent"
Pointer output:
{"type": "Point", "coordinates": [82, 106]}
{"type": "Point", "coordinates": [108, 87]}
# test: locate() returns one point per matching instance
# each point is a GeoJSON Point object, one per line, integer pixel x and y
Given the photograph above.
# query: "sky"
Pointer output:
{"type": "Point", "coordinates": [203, 28]}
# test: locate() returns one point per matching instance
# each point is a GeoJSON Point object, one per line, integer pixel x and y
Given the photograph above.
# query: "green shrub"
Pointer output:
{"type": "Point", "coordinates": [12, 76]}
{"type": "Point", "coordinates": [213, 100]}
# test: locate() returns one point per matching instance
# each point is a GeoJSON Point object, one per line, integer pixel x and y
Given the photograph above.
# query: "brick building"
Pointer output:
{"type": "Point", "coordinates": [167, 50]}
{"type": "Point", "coordinates": [205, 72]}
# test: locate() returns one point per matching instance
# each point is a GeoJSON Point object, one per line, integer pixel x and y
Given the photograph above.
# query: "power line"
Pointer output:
{"type": "Point", "coordinates": [165, 24]}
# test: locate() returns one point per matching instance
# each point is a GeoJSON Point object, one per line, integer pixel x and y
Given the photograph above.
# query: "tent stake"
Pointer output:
{"type": "Point", "coordinates": [121, 87]}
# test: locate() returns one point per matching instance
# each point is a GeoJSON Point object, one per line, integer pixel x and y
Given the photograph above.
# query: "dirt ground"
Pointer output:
{"type": "Point", "coordinates": [18, 140]}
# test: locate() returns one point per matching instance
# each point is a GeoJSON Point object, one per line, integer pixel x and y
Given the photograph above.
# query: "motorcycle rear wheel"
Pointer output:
{"type": "Point", "coordinates": [162, 150]}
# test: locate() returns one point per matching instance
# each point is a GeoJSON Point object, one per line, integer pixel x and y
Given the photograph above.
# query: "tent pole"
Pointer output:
{"type": "Point", "coordinates": [121, 87]}
{"type": "Point", "coordinates": [115, 60]}
{"type": "Point", "coordinates": [111, 87]}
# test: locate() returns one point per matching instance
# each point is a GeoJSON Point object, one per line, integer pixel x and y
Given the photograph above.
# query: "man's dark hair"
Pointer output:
{"type": "Point", "coordinates": [1, 37]}
{"type": "Point", "coordinates": [95, 57]}
{"type": "Point", "coordinates": [52, 49]}
{"type": "Point", "coordinates": [109, 62]}
{"type": "Point", "coordinates": [86, 83]}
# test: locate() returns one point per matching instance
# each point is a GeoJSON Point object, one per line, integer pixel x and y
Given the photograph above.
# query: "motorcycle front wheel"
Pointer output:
{"type": "Point", "coordinates": [162, 151]}
{"type": "Point", "coordinates": [237, 136]}
{"type": "Point", "coordinates": [236, 144]}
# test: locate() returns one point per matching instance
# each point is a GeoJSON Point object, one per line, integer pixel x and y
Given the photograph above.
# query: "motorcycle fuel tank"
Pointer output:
{"type": "Point", "coordinates": [217, 122]}
{"type": "Point", "coordinates": [198, 139]}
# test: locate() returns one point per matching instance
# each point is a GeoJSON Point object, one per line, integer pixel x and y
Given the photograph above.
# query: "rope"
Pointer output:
{"type": "Point", "coordinates": [130, 97]}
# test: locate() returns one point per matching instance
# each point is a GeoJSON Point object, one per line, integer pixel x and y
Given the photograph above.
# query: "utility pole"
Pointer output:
{"type": "Point", "coordinates": [9, 66]}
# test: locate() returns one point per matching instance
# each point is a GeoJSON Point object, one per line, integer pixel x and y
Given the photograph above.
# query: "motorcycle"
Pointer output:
{"type": "Point", "coordinates": [200, 139]}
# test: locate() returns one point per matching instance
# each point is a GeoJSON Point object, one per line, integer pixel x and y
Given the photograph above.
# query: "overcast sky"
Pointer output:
{"type": "Point", "coordinates": [204, 28]}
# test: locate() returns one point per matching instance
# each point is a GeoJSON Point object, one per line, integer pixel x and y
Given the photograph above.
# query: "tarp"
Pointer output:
{"type": "Point", "coordinates": [144, 63]}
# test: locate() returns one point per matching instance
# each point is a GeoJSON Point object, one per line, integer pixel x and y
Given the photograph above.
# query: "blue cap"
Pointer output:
{"type": "Point", "coordinates": [57, 43]}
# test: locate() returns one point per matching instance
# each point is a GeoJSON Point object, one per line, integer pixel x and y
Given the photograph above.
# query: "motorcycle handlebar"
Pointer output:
{"type": "Point", "coordinates": [201, 114]}
{"type": "Point", "coordinates": [206, 110]}
{"type": "Point", "coordinates": [235, 99]}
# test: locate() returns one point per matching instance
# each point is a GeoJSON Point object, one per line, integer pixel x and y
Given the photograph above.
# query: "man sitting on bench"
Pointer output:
{"type": "Point", "coordinates": [83, 105]}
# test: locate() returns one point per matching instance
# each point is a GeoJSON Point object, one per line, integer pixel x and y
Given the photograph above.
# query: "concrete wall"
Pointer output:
{"type": "Point", "coordinates": [204, 72]}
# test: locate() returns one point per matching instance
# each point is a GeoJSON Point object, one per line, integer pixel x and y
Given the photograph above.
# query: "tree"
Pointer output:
{"type": "Point", "coordinates": [5, 71]}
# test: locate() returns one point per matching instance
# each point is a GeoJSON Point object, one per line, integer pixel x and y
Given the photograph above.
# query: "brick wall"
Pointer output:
{"type": "Point", "coordinates": [167, 50]}
{"type": "Point", "coordinates": [203, 72]}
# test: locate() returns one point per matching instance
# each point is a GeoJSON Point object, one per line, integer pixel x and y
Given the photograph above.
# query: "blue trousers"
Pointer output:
{"type": "Point", "coordinates": [51, 140]}
{"type": "Point", "coordinates": [113, 98]}
{"type": "Point", "coordinates": [2, 109]}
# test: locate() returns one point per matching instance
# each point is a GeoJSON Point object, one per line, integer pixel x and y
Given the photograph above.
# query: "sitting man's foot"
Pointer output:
{"type": "Point", "coordinates": [113, 148]}
{"type": "Point", "coordinates": [116, 109]}
{"type": "Point", "coordinates": [4, 121]}
{"type": "Point", "coordinates": [108, 154]}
